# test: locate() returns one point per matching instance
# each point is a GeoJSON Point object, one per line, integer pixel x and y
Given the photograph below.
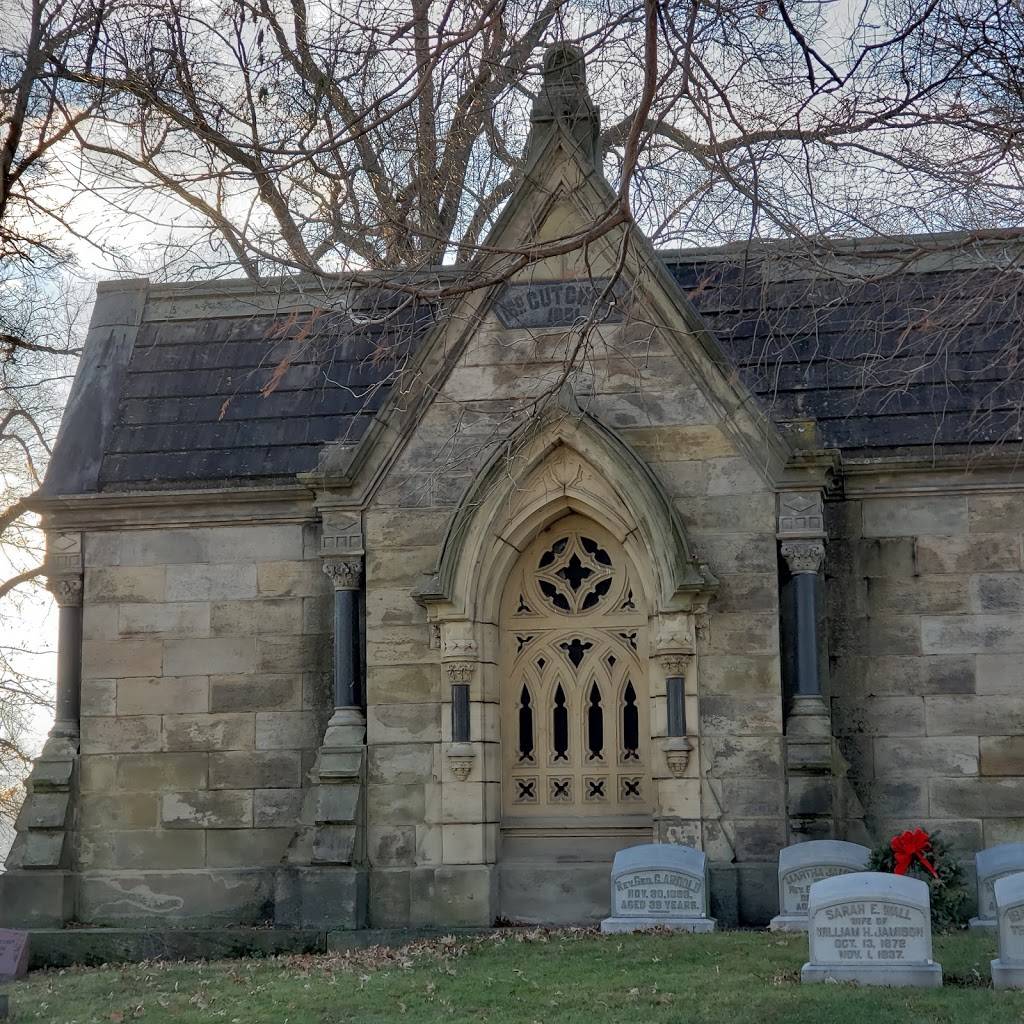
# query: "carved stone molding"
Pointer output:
{"type": "Point", "coordinates": [458, 642]}
{"type": "Point", "coordinates": [674, 638]}
{"type": "Point", "coordinates": [345, 575]}
{"type": "Point", "coordinates": [66, 589]}
{"type": "Point", "coordinates": [801, 514]}
{"type": "Point", "coordinates": [677, 755]}
{"type": "Point", "coordinates": [461, 757]}
{"type": "Point", "coordinates": [342, 536]}
{"type": "Point", "coordinates": [677, 664]}
{"type": "Point", "coordinates": [803, 556]}
{"type": "Point", "coordinates": [64, 568]}
{"type": "Point", "coordinates": [460, 671]}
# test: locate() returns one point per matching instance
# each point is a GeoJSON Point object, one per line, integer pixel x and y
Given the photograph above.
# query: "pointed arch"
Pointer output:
{"type": "Point", "coordinates": [568, 462]}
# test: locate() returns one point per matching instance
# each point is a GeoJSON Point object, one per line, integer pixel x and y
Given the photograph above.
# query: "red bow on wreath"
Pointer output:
{"type": "Point", "coordinates": [909, 846]}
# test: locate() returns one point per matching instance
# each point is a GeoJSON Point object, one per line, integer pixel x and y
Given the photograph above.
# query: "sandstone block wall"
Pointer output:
{"type": "Point", "coordinates": [205, 687]}
{"type": "Point", "coordinates": [421, 822]}
{"type": "Point", "coordinates": [926, 634]}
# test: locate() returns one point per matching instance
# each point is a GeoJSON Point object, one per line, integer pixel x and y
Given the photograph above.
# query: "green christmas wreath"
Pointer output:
{"type": "Point", "coordinates": [920, 855]}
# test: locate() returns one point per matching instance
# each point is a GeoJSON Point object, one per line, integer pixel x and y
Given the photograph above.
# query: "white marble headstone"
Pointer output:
{"type": "Point", "coordinates": [992, 864]}
{"type": "Point", "coordinates": [873, 928]}
{"type": "Point", "coordinates": [1008, 894]}
{"type": "Point", "coordinates": [805, 863]}
{"type": "Point", "coordinates": [659, 885]}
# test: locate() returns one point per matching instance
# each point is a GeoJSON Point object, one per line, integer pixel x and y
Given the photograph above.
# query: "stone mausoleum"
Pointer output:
{"type": "Point", "coordinates": [381, 611]}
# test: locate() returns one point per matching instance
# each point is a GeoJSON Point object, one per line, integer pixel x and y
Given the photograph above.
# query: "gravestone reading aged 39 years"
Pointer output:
{"type": "Point", "coordinates": [992, 864]}
{"type": "Point", "coordinates": [659, 885]}
{"type": "Point", "coordinates": [1008, 970]}
{"type": "Point", "coordinates": [806, 863]}
{"type": "Point", "coordinates": [13, 954]}
{"type": "Point", "coordinates": [872, 928]}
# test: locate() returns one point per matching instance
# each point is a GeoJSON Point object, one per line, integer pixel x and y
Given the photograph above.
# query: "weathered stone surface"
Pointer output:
{"type": "Point", "coordinates": [193, 544]}
{"type": "Point", "coordinates": [156, 772]}
{"type": "Point", "coordinates": [241, 848]}
{"type": "Point", "coordinates": [881, 716]}
{"type": "Point", "coordinates": [248, 769]}
{"type": "Point", "coordinates": [279, 654]}
{"type": "Point", "coordinates": [237, 896]}
{"type": "Point", "coordinates": [933, 515]}
{"type": "Point", "coordinates": [209, 732]}
{"type": "Point", "coordinates": [210, 582]}
{"type": "Point", "coordinates": [277, 807]}
{"type": "Point", "coordinates": [398, 805]}
{"type": "Point", "coordinates": [739, 715]}
{"type": "Point", "coordinates": [465, 894]}
{"type": "Point", "coordinates": [403, 723]}
{"type": "Point", "coordinates": [163, 695]}
{"type": "Point", "coordinates": [999, 674]}
{"type": "Point", "coordinates": [926, 756]}
{"type": "Point", "coordinates": [13, 954]}
{"type": "Point", "coordinates": [150, 849]}
{"type": "Point", "coordinates": [1002, 755]}
{"type": "Point", "coordinates": [118, 659]}
{"type": "Point", "coordinates": [120, 735]}
{"type": "Point", "coordinates": [955, 798]}
{"type": "Point", "coordinates": [322, 897]}
{"type": "Point", "coordinates": [924, 594]}
{"type": "Point", "coordinates": [166, 619]}
{"type": "Point", "coordinates": [743, 755]}
{"type": "Point", "coordinates": [996, 513]}
{"type": "Point", "coordinates": [289, 579]}
{"type": "Point", "coordinates": [730, 675]}
{"type": "Point", "coordinates": [974, 716]}
{"type": "Point", "coordinates": [992, 553]}
{"type": "Point", "coordinates": [279, 730]}
{"type": "Point", "coordinates": [125, 584]}
{"type": "Point", "coordinates": [123, 810]}
{"type": "Point", "coordinates": [390, 846]}
{"type": "Point", "coordinates": [256, 692]}
{"type": "Point", "coordinates": [99, 697]}
{"type": "Point", "coordinates": [400, 765]}
{"type": "Point", "coordinates": [257, 618]}
{"type": "Point", "coordinates": [207, 809]}
{"type": "Point", "coordinates": [209, 656]}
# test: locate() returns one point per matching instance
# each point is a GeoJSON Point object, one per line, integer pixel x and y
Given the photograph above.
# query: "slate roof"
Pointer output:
{"type": "Point", "coordinates": [900, 360]}
{"type": "Point", "coordinates": [252, 398]}
{"type": "Point", "coordinates": [922, 359]}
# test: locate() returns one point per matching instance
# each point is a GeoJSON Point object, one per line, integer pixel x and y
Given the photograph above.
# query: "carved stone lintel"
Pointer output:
{"type": "Point", "coordinates": [460, 671]}
{"type": "Point", "coordinates": [803, 556]}
{"type": "Point", "coordinates": [345, 575]}
{"type": "Point", "coordinates": [677, 755]}
{"type": "Point", "coordinates": [66, 589]}
{"type": "Point", "coordinates": [461, 757]}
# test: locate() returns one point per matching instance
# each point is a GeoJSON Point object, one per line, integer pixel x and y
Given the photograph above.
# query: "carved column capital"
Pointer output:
{"type": "Point", "coordinates": [803, 556]}
{"type": "Point", "coordinates": [66, 589]}
{"type": "Point", "coordinates": [344, 574]}
{"type": "Point", "coordinates": [460, 671]}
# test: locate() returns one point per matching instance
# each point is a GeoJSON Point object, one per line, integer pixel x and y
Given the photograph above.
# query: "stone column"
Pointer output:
{"type": "Point", "coordinates": [324, 882]}
{"type": "Point", "coordinates": [38, 888]}
{"type": "Point", "coordinates": [346, 575]}
{"type": "Point", "coordinates": [820, 801]}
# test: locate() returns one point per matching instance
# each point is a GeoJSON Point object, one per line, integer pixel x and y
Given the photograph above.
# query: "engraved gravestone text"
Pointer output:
{"type": "Point", "coordinates": [649, 893]}
{"type": "Point", "coordinates": [796, 885]}
{"type": "Point", "coordinates": [870, 932]}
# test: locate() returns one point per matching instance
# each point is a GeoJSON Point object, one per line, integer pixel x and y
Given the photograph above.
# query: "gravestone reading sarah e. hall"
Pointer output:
{"type": "Point", "coordinates": [659, 885]}
{"type": "Point", "coordinates": [872, 928]}
{"type": "Point", "coordinates": [13, 954]}
{"type": "Point", "coordinates": [992, 864]}
{"type": "Point", "coordinates": [802, 865]}
{"type": "Point", "coordinates": [1008, 970]}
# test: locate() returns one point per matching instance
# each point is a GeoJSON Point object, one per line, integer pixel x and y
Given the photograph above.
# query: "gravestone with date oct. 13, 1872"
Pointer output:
{"type": "Point", "coordinates": [991, 864]}
{"type": "Point", "coordinates": [1008, 970]}
{"type": "Point", "coordinates": [802, 865]}
{"type": "Point", "coordinates": [659, 885]}
{"type": "Point", "coordinates": [872, 928]}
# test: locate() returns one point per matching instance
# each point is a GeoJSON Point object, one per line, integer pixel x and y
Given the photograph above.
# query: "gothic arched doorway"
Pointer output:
{"type": "Point", "coordinates": [575, 716]}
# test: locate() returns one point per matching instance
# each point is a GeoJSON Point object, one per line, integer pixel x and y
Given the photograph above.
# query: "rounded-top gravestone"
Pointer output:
{"type": "Point", "coordinates": [1008, 969]}
{"type": "Point", "coordinates": [992, 864]}
{"type": "Point", "coordinates": [872, 928]}
{"type": "Point", "coordinates": [659, 885]}
{"type": "Point", "coordinates": [805, 863]}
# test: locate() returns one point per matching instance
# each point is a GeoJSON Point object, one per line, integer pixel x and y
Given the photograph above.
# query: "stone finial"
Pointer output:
{"type": "Point", "coordinates": [345, 575]}
{"type": "Point", "coordinates": [564, 102]}
{"type": "Point", "coordinates": [803, 556]}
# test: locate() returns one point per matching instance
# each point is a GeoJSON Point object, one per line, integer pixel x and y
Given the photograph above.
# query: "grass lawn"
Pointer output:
{"type": "Point", "coordinates": [524, 977]}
